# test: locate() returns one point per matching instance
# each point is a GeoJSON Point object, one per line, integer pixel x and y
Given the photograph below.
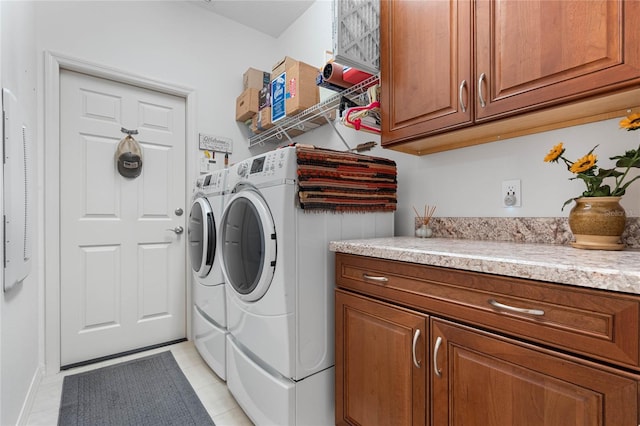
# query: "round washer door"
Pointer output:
{"type": "Point", "coordinates": [202, 237]}
{"type": "Point", "coordinates": [248, 245]}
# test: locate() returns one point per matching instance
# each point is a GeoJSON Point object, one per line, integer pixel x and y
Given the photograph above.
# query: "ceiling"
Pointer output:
{"type": "Point", "coordinates": [271, 17]}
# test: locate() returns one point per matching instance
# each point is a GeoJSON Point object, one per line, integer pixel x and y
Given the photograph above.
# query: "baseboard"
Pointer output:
{"type": "Point", "coordinates": [30, 398]}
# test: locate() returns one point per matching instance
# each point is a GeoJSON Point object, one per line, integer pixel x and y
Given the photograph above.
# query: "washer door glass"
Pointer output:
{"type": "Point", "coordinates": [248, 245]}
{"type": "Point", "coordinates": [202, 237]}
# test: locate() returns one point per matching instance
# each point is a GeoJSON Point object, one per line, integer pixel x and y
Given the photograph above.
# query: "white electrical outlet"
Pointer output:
{"type": "Point", "coordinates": [511, 194]}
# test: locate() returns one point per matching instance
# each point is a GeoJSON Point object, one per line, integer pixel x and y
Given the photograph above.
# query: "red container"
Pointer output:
{"type": "Point", "coordinates": [354, 75]}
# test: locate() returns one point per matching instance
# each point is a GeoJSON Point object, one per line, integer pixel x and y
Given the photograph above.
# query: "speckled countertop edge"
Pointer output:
{"type": "Point", "coordinates": [605, 270]}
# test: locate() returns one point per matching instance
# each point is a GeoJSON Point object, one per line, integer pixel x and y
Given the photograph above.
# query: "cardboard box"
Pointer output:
{"type": "Point", "coordinates": [254, 125]}
{"type": "Point", "coordinates": [263, 119]}
{"type": "Point", "coordinates": [302, 90]}
{"type": "Point", "coordinates": [281, 66]}
{"type": "Point", "coordinates": [247, 104]}
{"type": "Point", "coordinates": [294, 89]}
{"type": "Point", "coordinates": [256, 79]}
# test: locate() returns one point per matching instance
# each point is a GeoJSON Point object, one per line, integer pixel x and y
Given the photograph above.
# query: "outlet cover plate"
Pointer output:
{"type": "Point", "coordinates": [511, 193]}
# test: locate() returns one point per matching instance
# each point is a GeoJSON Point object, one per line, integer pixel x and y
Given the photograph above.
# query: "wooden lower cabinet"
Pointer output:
{"type": "Point", "coordinates": [397, 366]}
{"type": "Point", "coordinates": [480, 379]}
{"type": "Point", "coordinates": [377, 380]}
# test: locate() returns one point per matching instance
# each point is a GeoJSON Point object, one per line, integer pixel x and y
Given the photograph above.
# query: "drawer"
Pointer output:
{"type": "Point", "coordinates": [598, 324]}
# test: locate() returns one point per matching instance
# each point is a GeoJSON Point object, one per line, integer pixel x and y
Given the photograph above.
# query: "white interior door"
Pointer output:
{"type": "Point", "coordinates": [122, 271]}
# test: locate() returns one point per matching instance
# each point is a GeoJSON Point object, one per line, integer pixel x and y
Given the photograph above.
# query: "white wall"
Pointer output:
{"type": "Point", "coordinates": [180, 43]}
{"type": "Point", "coordinates": [19, 308]}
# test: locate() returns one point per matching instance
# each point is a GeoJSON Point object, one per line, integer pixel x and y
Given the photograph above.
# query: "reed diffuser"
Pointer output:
{"type": "Point", "coordinates": [422, 221]}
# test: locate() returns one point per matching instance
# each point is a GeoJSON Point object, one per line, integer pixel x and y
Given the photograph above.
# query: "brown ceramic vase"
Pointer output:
{"type": "Point", "coordinates": [598, 223]}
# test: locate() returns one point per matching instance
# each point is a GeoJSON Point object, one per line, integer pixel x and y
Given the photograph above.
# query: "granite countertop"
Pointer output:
{"type": "Point", "coordinates": [606, 270]}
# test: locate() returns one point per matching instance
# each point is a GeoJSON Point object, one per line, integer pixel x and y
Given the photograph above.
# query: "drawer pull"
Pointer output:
{"type": "Point", "coordinates": [377, 279]}
{"type": "Point", "coordinates": [416, 335]}
{"type": "Point", "coordinates": [496, 304]}
{"type": "Point", "coordinates": [436, 348]}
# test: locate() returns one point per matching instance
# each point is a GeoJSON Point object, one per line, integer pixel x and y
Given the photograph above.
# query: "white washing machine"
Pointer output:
{"type": "Point", "coordinates": [279, 276]}
{"type": "Point", "coordinates": [209, 317]}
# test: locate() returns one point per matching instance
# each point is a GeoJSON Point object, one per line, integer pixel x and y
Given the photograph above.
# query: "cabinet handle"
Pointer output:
{"type": "Point", "coordinates": [413, 349]}
{"type": "Point", "coordinates": [460, 90]}
{"type": "Point", "coordinates": [480, 80]}
{"type": "Point", "coordinates": [496, 304]}
{"type": "Point", "coordinates": [436, 349]}
{"type": "Point", "coordinates": [373, 278]}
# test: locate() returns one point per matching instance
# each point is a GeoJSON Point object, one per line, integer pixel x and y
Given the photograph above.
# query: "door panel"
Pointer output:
{"type": "Point", "coordinates": [377, 379]}
{"type": "Point", "coordinates": [488, 380]}
{"type": "Point", "coordinates": [155, 289]}
{"type": "Point", "coordinates": [123, 280]}
{"type": "Point", "coordinates": [157, 164]}
{"type": "Point", "coordinates": [103, 203]}
{"type": "Point", "coordinates": [426, 67]}
{"type": "Point", "coordinates": [98, 295]}
{"type": "Point", "coordinates": [536, 53]}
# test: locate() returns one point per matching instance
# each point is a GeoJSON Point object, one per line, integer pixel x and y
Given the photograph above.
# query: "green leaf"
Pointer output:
{"type": "Point", "coordinates": [603, 191]}
{"type": "Point", "coordinates": [569, 201]}
{"type": "Point", "coordinates": [629, 159]}
{"type": "Point", "coordinates": [604, 173]}
{"type": "Point", "coordinates": [628, 162]}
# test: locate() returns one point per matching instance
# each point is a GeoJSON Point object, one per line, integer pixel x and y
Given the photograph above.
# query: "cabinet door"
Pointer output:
{"type": "Point", "coordinates": [425, 67]}
{"type": "Point", "coordinates": [532, 54]}
{"type": "Point", "coordinates": [377, 380]}
{"type": "Point", "coordinates": [487, 380]}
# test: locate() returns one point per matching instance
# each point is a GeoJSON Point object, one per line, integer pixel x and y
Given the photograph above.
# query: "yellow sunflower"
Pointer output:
{"type": "Point", "coordinates": [631, 122]}
{"type": "Point", "coordinates": [555, 153]}
{"type": "Point", "coordinates": [583, 164]}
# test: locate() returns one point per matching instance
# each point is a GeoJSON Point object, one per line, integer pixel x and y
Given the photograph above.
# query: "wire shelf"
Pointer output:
{"type": "Point", "coordinates": [313, 117]}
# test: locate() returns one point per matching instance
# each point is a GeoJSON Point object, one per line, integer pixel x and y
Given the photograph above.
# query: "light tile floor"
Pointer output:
{"type": "Point", "coordinates": [211, 390]}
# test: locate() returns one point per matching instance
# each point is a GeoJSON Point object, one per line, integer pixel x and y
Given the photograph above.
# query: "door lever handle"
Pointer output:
{"type": "Point", "coordinates": [178, 229]}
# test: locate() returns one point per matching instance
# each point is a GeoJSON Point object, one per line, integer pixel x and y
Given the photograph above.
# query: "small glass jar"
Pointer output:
{"type": "Point", "coordinates": [423, 231]}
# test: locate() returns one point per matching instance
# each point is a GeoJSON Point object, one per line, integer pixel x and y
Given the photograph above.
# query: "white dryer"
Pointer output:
{"type": "Point", "coordinates": [209, 322]}
{"type": "Point", "coordinates": [279, 276]}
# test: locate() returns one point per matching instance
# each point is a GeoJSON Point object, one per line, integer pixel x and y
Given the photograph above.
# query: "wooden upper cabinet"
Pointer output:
{"type": "Point", "coordinates": [531, 54]}
{"type": "Point", "coordinates": [426, 57]}
{"type": "Point", "coordinates": [469, 69]}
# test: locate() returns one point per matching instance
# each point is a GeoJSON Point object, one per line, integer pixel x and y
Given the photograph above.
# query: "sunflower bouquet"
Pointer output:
{"type": "Point", "coordinates": [586, 168]}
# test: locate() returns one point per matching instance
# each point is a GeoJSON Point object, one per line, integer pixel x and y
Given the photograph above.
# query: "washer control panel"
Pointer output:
{"type": "Point", "coordinates": [277, 164]}
{"type": "Point", "coordinates": [212, 182]}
